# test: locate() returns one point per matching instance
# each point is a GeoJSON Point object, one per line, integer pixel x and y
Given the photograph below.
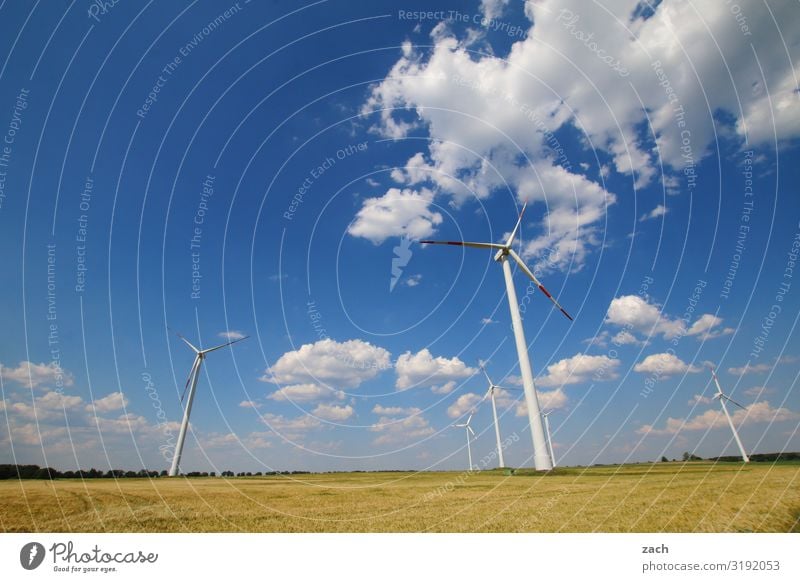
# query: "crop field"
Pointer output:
{"type": "Point", "coordinates": [671, 497]}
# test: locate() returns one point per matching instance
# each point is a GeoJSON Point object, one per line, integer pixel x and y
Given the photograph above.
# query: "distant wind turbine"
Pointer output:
{"type": "Point", "coordinates": [541, 456]}
{"type": "Point", "coordinates": [191, 385]}
{"type": "Point", "coordinates": [490, 393]}
{"type": "Point", "coordinates": [722, 397]}
{"type": "Point", "coordinates": [545, 415]}
{"type": "Point", "coordinates": [469, 432]}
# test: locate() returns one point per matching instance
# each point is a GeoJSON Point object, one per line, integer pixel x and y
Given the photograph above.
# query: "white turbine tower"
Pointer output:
{"type": "Point", "coordinates": [722, 397]}
{"type": "Point", "coordinates": [191, 385]}
{"type": "Point", "coordinates": [545, 415]}
{"type": "Point", "coordinates": [469, 431]}
{"type": "Point", "coordinates": [541, 456]}
{"type": "Point", "coordinates": [490, 393]}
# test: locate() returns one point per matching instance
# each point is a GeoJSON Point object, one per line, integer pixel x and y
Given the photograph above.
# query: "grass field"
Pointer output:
{"type": "Point", "coordinates": [673, 497]}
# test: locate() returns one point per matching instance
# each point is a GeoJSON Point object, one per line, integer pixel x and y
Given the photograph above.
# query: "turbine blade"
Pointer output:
{"type": "Point", "coordinates": [461, 243]}
{"type": "Point", "coordinates": [485, 373]}
{"type": "Point", "coordinates": [469, 419]}
{"type": "Point", "coordinates": [732, 401]}
{"type": "Point", "coordinates": [187, 342]}
{"type": "Point", "coordinates": [542, 288]}
{"type": "Point", "coordinates": [469, 428]}
{"type": "Point", "coordinates": [219, 347]}
{"type": "Point", "coordinates": [514, 232]}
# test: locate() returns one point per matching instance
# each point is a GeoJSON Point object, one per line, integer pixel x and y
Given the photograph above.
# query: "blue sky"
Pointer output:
{"type": "Point", "coordinates": [259, 169]}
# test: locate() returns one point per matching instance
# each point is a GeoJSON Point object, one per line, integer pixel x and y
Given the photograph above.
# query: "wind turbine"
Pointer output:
{"type": "Point", "coordinates": [545, 415]}
{"type": "Point", "coordinates": [490, 393]}
{"type": "Point", "coordinates": [191, 385]}
{"type": "Point", "coordinates": [469, 432]}
{"type": "Point", "coordinates": [541, 456]}
{"type": "Point", "coordinates": [722, 397]}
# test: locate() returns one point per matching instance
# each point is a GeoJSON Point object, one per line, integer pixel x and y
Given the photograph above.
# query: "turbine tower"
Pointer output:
{"type": "Point", "coordinates": [469, 432]}
{"type": "Point", "coordinates": [191, 385]}
{"type": "Point", "coordinates": [490, 393]}
{"type": "Point", "coordinates": [545, 415]}
{"type": "Point", "coordinates": [722, 397]}
{"type": "Point", "coordinates": [541, 456]}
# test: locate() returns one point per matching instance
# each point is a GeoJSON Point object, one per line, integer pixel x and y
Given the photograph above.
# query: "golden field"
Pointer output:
{"type": "Point", "coordinates": [671, 497]}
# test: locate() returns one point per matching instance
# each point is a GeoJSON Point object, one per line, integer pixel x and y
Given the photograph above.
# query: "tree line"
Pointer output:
{"type": "Point", "coordinates": [37, 472]}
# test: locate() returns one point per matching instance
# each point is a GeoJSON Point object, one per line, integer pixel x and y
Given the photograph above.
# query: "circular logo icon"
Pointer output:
{"type": "Point", "coordinates": [31, 555]}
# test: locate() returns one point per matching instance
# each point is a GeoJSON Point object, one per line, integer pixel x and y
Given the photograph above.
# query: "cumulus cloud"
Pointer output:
{"type": "Point", "coordinates": [665, 364]}
{"type": "Point", "coordinates": [760, 368]}
{"type": "Point", "coordinates": [290, 427]}
{"type": "Point", "coordinates": [659, 210]}
{"type": "Point", "coordinates": [395, 214]}
{"type": "Point", "coordinates": [231, 335]}
{"type": "Point", "coordinates": [634, 312]}
{"type": "Point", "coordinates": [249, 404]}
{"type": "Point", "coordinates": [705, 326]}
{"type": "Point", "coordinates": [333, 412]}
{"type": "Point", "coordinates": [464, 404]}
{"type": "Point", "coordinates": [492, 9]}
{"type": "Point", "coordinates": [756, 413]}
{"type": "Point", "coordinates": [548, 400]}
{"type": "Point", "coordinates": [304, 393]}
{"type": "Point", "coordinates": [114, 401]}
{"type": "Point", "coordinates": [424, 370]}
{"type": "Point", "coordinates": [488, 116]}
{"type": "Point", "coordinates": [395, 410]}
{"type": "Point", "coordinates": [699, 399]}
{"type": "Point", "coordinates": [401, 430]}
{"type": "Point", "coordinates": [339, 364]}
{"type": "Point", "coordinates": [34, 375]}
{"type": "Point", "coordinates": [578, 369]}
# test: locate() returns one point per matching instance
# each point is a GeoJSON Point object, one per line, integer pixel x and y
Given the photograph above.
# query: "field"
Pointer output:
{"type": "Point", "coordinates": [673, 497]}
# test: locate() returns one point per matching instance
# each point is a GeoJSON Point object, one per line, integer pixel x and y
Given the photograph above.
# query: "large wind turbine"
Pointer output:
{"type": "Point", "coordinates": [545, 415]}
{"type": "Point", "coordinates": [191, 385]}
{"type": "Point", "coordinates": [469, 432]}
{"type": "Point", "coordinates": [490, 393]}
{"type": "Point", "coordinates": [541, 456]}
{"type": "Point", "coordinates": [722, 397]}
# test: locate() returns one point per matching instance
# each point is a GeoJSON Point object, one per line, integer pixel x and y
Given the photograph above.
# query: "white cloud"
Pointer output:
{"type": "Point", "coordinates": [464, 404]}
{"type": "Point", "coordinates": [492, 9]}
{"type": "Point", "coordinates": [659, 210]}
{"type": "Point", "coordinates": [34, 375]}
{"type": "Point", "coordinates": [333, 412]}
{"type": "Point", "coordinates": [395, 410]}
{"type": "Point", "coordinates": [488, 321]}
{"type": "Point", "coordinates": [304, 393]}
{"type": "Point", "coordinates": [758, 412]}
{"type": "Point", "coordinates": [665, 364]}
{"type": "Point", "coordinates": [114, 401]}
{"type": "Point", "coordinates": [345, 364]}
{"type": "Point", "coordinates": [634, 312]}
{"type": "Point", "coordinates": [396, 431]}
{"type": "Point", "coordinates": [625, 337]}
{"type": "Point", "coordinates": [548, 400]}
{"type": "Point", "coordinates": [413, 280]}
{"type": "Point", "coordinates": [760, 368]}
{"type": "Point", "coordinates": [422, 369]}
{"type": "Point", "coordinates": [249, 404]}
{"type": "Point", "coordinates": [290, 427]}
{"type": "Point", "coordinates": [758, 391]}
{"type": "Point", "coordinates": [395, 214]}
{"type": "Point", "coordinates": [704, 327]}
{"type": "Point", "coordinates": [485, 113]}
{"type": "Point", "coordinates": [699, 399]}
{"type": "Point", "coordinates": [578, 369]}
{"type": "Point", "coordinates": [231, 335]}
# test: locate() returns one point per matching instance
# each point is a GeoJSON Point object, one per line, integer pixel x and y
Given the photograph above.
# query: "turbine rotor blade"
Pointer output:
{"type": "Point", "coordinates": [187, 342]}
{"type": "Point", "coordinates": [514, 232]}
{"type": "Point", "coordinates": [461, 243]}
{"type": "Point", "coordinates": [533, 278]}
{"type": "Point", "coordinates": [485, 373]}
{"type": "Point", "coordinates": [219, 347]}
{"type": "Point", "coordinates": [469, 428]}
{"type": "Point", "coordinates": [732, 401]}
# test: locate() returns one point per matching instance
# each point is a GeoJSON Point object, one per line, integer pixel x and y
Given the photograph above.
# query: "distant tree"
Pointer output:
{"type": "Point", "coordinates": [163, 473]}
{"type": "Point", "coordinates": [685, 457]}
{"type": "Point", "coordinates": [664, 460]}
{"type": "Point", "coordinates": [213, 474]}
